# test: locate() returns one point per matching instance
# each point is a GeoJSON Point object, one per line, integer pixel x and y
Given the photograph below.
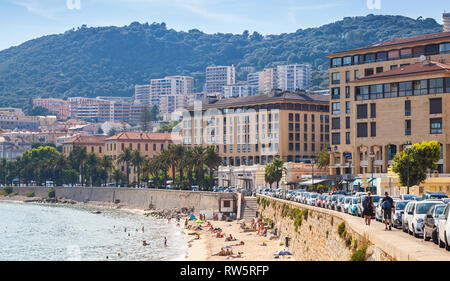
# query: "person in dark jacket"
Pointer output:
{"type": "Point", "coordinates": [368, 208]}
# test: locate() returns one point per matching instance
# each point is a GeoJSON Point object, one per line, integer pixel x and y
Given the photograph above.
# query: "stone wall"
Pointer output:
{"type": "Point", "coordinates": [136, 198]}
{"type": "Point", "coordinates": [317, 234]}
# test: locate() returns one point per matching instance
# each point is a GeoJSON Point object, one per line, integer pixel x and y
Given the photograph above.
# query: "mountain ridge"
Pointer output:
{"type": "Point", "coordinates": [94, 61]}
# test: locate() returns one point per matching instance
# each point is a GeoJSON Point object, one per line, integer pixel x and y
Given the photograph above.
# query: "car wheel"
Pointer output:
{"type": "Point", "coordinates": [434, 237]}
{"type": "Point", "coordinates": [425, 237]}
{"type": "Point", "coordinates": [447, 246]}
{"type": "Point", "coordinates": [414, 231]}
{"type": "Point", "coordinates": [441, 244]}
{"type": "Point", "coordinates": [404, 228]}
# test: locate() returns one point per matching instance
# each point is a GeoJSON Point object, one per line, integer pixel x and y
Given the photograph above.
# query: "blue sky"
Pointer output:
{"type": "Point", "coordinates": [22, 20]}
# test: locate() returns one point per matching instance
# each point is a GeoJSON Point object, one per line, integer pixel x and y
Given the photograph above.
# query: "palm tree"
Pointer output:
{"type": "Point", "coordinates": [198, 163]}
{"type": "Point", "coordinates": [117, 176]}
{"type": "Point", "coordinates": [78, 157]}
{"type": "Point", "coordinates": [163, 163]}
{"type": "Point", "coordinates": [92, 163]}
{"type": "Point", "coordinates": [126, 157]}
{"type": "Point", "coordinates": [107, 163]}
{"type": "Point", "coordinates": [136, 161]}
{"type": "Point", "coordinates": [212, 161]}
{"type": "Point", "coordinates": [189, 164]}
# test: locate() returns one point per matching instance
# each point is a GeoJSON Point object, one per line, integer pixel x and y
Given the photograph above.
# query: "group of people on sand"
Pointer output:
{"type": "Point", "coordinates": [229, 253]}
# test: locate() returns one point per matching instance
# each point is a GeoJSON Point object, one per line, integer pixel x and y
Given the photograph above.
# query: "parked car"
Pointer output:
{"type": "Point", "coordinates": [312, 199]}
{"type": "Point", "coordinates": [340, 203]}
{"type": "Point", "coordinates": [433, 195]}
{"type": "Point", "coordinates": [417, 216]}
{"type": "Point", "coordinates": [319, 200]}
{"type": "Point", "coordinates": [444, 229]}
{"type": "Point", "coordinates": [333, 202]}
{"type": "Point", "coordinates": [406, 215]}
{"type": "Point", "coordinates": [346, 204]}
{"type": "Point", "coordinates": [431, 223]}
{"type": "Point", "coordinates": [399, 212]}
{"type": "Point", "coordinates": [352, 208]}
{"type": "Point", "coordinates": [326, 201]}
{"type": "Point", "coordinates": [408, 197]}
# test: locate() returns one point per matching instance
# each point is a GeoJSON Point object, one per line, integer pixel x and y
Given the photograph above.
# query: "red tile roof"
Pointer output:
{"type": "Point", "coordinates": [141, 136]}
{"type": "Point", "coordinates": [420, 68]}
{"type": "Point", "coordinates": [401, 41]}
{"type": "Point", "coordinates": [81, 139]}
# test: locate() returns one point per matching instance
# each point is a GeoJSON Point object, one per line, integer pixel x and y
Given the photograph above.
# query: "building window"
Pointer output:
{"type": "Point", "coordinates": [356, 74]}
{"type": "Point", "coordinates": [297, 147]}
{"type": "Point", "coordinates": [347, 107]}
{"type": "Point", "coordinates": [376, 91]}
{"type": "Point", "coordinates": [297, 117]}
{"type": "Point", "coordinates": [395, 66]}
{"type": "Point", "coordinates": [291, 117]}
{"type": "Point", "coordinates": [347, 60]}
{"type": "Point", "coordinates": [336, 78]}
{"type": "Point", "coordinates": [436, 106]}
{"type": "Point", "coordinates": [336, 108]}
{"type": "Point", "coordinates": [373, 129]}
{"type": "Point", "coordinates": [347, 76]}
{"type": "Point", "coordinates": [347, 138]}
{"type": "Point", "coordinates": [347, 122]}
{"type": "Point", "coordinates": [407, 108]}
{"type": "Point", "coordinates": [361, 110]}
{"type": "Point", "coordinates": [373, 110]}
{"type": "Point", "coordinates": [336, 62]}
{"type": "Point", "coordinates": [368, 72]}
{"type": "Point", "coordinates": [291, 146]}
{"type": "Point", "coordinates": [444, 48]}
{"type": "Point", "coordinates": [407, 127]}
{"type": "Point", "coordinates": [362, 130]}
{"type": "Point", "coordinates": [436, 126]}
{"type": "Point", "coordinates": [379, 69]}
{"type": "Point", "coordinates": [405, 89]}
{"type": "Point", "coordinates": [335, 123]}
{"type": "Point", "coordinates": [347, 92]}
{"type": "Point", "coordinates": [291, 126]}
{"type": "Point", "coordinates": [335, 138]}
{"type": "Point", "coordinates": [436, 86]}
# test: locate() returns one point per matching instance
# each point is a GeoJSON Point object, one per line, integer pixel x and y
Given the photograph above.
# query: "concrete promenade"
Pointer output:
{"type": "Point", "coordinates": [399, 245]}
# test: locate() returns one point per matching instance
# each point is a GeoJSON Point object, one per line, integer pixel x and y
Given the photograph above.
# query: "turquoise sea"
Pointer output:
{"type": "Point", "coordinates": [42, 232]}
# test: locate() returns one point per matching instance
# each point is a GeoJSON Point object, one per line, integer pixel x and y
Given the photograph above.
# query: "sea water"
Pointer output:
{"type": "Point", "coordinates": [42, 232]}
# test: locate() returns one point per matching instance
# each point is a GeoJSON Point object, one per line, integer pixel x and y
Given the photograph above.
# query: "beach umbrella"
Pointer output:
{"type": "Point", "coordinates": [192, 217]}
{"type": "Point", "coordinates": [283, 253]}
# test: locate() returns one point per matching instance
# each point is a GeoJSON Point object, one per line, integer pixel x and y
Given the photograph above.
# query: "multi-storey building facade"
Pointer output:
{"type": "Point", "coordinates": [386, 95]}
{"type": "Point", "coordinates": [239, 90]}
{"type": "Point", "coordinates": [148, 144]}
{"type": "Point", "coordinates": [219, 76]}
{"type": "Point", "coordinates": [92, 144]}
{"type": "Point", "coordinates": [293, 77]}
{"type": "Point", "coordinates": [142, 94]}
{"type": "Point", "coordinates": [254, 130]}
{"type": "Point", "coordinates": [58, 107]}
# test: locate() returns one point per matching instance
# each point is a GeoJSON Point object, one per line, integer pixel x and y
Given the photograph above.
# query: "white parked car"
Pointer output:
{"type": "Point", "coordinates": [406, 215]}
{"type": "Point", "coordinates": [417, 214]}
{"type": "Point", "coordinates": [347, 201]}
{"type": "Point", "coordinates": [312, 199]}
{"type": "Point", "coordinates": [444, 229]}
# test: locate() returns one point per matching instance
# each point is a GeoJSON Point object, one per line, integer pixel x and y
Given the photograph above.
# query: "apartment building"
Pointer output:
{"type": "Point", "coordinates": [104, 110]}
{"type": "Point", "coordinates": [254, 130]}
{"type": "Point", "coordinates": [294, 77]}
{"type": "Point", "coordinates": [58, 107]}
{"type": "Point", "coordinates": [92, 144]}
{"type": "Point", "coordinates": [142, 94]}
{"type": "Point", "coordinates": [149, 145]}
{"type": "Point", "coordinates": [385, 95]}
{"type": "Point", "coordinates": [219, 76]}
{"type": "Point", "coordinates": [239, 90]}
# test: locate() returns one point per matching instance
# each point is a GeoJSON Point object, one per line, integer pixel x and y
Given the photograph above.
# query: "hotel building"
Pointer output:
{"type": "Point", "coordinates": [385, 95]}
{"type": "Point", "coordinates": [58, 107]}
{"type": "Point", "coordinates": [254, 130]}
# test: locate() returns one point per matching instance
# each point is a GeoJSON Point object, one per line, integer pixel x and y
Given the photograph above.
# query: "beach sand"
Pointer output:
{"type": "Point", "coordinates": [208, 245]}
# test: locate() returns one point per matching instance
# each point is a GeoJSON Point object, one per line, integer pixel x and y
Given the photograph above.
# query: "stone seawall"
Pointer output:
{"type": "Point", "coordinates": [136, 198]}
{"type": "Point", "coordinates": [317, 234]}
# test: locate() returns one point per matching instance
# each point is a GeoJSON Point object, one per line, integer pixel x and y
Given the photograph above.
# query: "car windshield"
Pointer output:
{"type": "Point", "coordinates": [355, 200]}
{"type": "Point", "coordinates": [408, 197]}
{"type": "Point", "coordinates": [347, 200]}
{"type": "Point", "coordinates": [440, 210]}
{"type": "Point", "coordinates": [423, 208]}
{"type": "Point", "coordinates": [313, 195]}
{"type": "Point", "coordinates": [437, 196]}
{"type": "Point", "coordinates": [334, 197]}
{"type": "Point", "coordinates": [400, 206]}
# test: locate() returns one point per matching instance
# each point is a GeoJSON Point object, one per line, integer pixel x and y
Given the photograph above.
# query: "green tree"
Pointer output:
{"type": "Point", "coordinates": [323, 157]}
{"type": "Point", "coordinates": [212, 161]}
{"type": "Point", "coordinates": [415, 161]}
{"type": "Point", "coordinates": [136, 161]}
{"type": "Point", "coordinates": [126, 157]}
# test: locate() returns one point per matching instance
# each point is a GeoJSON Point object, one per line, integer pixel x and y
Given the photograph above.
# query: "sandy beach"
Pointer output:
{"type": "Point", "coordinates": [205, 248]}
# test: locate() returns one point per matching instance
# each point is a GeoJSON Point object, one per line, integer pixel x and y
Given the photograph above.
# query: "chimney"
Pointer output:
{"type": "Point", "coordinates": [446, 21]}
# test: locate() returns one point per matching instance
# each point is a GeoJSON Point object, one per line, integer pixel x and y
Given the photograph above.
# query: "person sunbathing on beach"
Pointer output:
{"type": "Point", "coordinates": [242, 243]}
{"type": "Point", "coordinates": [144, 243]}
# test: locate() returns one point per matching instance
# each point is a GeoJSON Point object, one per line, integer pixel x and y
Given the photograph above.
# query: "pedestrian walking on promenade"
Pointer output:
{"type": "Point", "coordinates": [368, 208]}
{"type": "Point", "coordinates": [388, 207]}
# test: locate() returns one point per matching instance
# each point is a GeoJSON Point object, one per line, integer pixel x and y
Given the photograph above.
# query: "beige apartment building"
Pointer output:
{"type": "Point", "coordinates": [386, 95]}
{"type": "Point", "coordinates": [253, 130]}
{"type": "Point", "coordinates": [93, 144]}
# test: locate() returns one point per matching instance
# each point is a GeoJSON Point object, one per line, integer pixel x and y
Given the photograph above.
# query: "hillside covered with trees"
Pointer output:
{"type": "Point", "coordinates": [111, 60]}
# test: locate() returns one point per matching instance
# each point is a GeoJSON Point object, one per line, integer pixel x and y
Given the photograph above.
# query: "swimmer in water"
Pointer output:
{"type": "Point", "coordinates": [165, 242]}
{"type": "Point", "coordinates": [142, 229]}
{"type": "Point", "coordinates": [144, 243]}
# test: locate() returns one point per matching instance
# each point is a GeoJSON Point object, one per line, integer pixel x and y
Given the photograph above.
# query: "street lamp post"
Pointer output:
{"type": "Point", "coordinates": [312, 175]}
{"type": "Point", "coordinates": [372, 158]}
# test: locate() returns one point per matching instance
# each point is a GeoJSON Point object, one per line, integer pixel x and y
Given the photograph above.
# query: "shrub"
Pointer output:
{"type": "Point", "coordinates": [12, 194]}
{"type": "Point", "coordinates": [341, 229]}
{"type": "Point", "coordinates": [7, 189]}
{"type": "Point", "coordinates": [51, 193]}
{"type": "Point", "coordinates": [30, 194]}
{"type": "Point", "coordinates": [2, 193]}
{"type": "Point", "coordinates": [359, 255]}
